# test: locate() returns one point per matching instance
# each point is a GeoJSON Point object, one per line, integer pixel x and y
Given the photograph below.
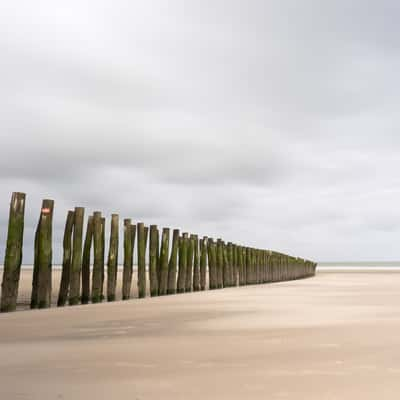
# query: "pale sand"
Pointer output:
{"type": "Point", "coordinates": [335, 336]}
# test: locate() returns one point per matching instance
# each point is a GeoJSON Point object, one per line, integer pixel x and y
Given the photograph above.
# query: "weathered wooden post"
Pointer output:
{"type": "Point", "coordinates": [183, 247]}
{"type": "Point", "coordinates": [196, 265]}
{"type": "Point", "coordinates": [13, 255]}
{"type": "Point", "coordinates": [203, 263]}
{"type": "Point", "coordinates": [103, 252]}
{"type": "Point", "coordinates": [67, 256]}
{"type": "Point", "coordinates": [235, 264]}
{"type": "Point", "coordinates": [35, 275]}
{"type": "Point", "coordinates": [221, 266]}
{"type": "Point", "coordinates": [112, 261]}
{"type": "Point", "coordinates": [97, 257]}
{"type": "Point", "coordinates": [86, 261]}
{"type": "Point", "coordinates": [142, 241]}
{"type": "Point", "coordinates": [153, 250]}
{"type": "Point", "coordinates": [219, 263]}
{"type": "Point", "coordinates": [76, 265]}
{"type": "Point", "coordinates": [248, 266]}
{"type": "Point", "coordinates": [230, 264]}
{"type": "Point", "coordinates": [212, 261]}
{"type": "Point", "coordinates": [189, 264]}
{"type": "Point", "coordinates": [129, 243]}
{"type": "Point", "coordinates": [45, 253]}
{"type": "Point", "coordinates": [172, 265]}
{"type": "Point", "coordinates": [163, 281]}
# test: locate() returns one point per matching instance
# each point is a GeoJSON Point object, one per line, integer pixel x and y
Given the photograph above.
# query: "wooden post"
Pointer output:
{"type": "Point", "coordinates": [153, 250]}
{"type": "Point", "coordinates": [13, 255]}
{"type": "Point", "coordinates": [45, 253]}
{"type": "Point", "coordinates": [163, 281]}
{"type": "Point", "coordinates": [212, 260]}
{"type": "Point", "coordinates": [248, 266]}
{"type": "Point", "coordinates": [142, 240]}
{"type": "Point", "coordinates": [196, 269]}
{"type": "Point", "coordinates": [86, 261]}
{"type": "Point", "coordinates": [35, 276]}
{"type": "Point", "coordinates": [97, 258]}
{"type": "Point", "coordinates": [172, 265]}
{"type": "Point", "coordinates": [221, 266]}
{"type": "Point", "coordinates": [203, 263]}
{"type": "Point", "coordinates": [76, 265]}
{"type": "Point", "coordinates": [235, 264]}
{"type": "Point", "coordinates": [183, 247]}
{"type": "Point", "coordinates": [129, 241]}
{"type": "Point", "coordinates": [112, 262]}
{"type": "Point", "coordinates": [189, 264]}
{"type": "Point", "coordinates": [67, 256]}
{"type": "Point", "coordinates": [103, 252]}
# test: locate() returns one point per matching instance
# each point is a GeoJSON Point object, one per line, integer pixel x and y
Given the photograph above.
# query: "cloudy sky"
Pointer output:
{"type": "Point", "coordinates": [269, 123]}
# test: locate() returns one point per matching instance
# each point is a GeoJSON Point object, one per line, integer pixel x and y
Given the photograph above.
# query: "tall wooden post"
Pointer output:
{"type": "Point", "coordinates": [221, 267]}
{"type": "Point", "coordinates": [35, 275]}
{"type": "Point", "coordinates": [112, 262]}
{"type": "Point", "coordinates": [13, 255]}
{"type": "Point", "coordinates": [45, 253]}
{"type": "Point", "coordinates": [129, 243]}
{"type": "Point", "coordinates": [183, 247]}
{"type": "Point", "coordinates": [163, 281]}
{"type": "Point", "coordinates": [196, 269]}
{"type": "Point", "coordinates": [86, 261]}
{"type": "Point", "coordinates": [76, 265]}
{"type": "Point", "coordinates": [189, 264]}
{"type": "Point", "coordinates": [103, 252]}
{"type": "Point", "coordinates": [173, 260]}
{"type": "Point", "coordinates": [153, 256]}
{"type": "Point", "coordinates": [212, 260]}
{"type": "Point", "coordinates": [203, 263]}
{"type": "Point", "coordinates": [142, 240]}
{"type": "Point", "coordinates": [67, 257]}
{"type": "Point", "coordinates": [235, 264]}
{"type": "Point", "coordinates": [97, 258]}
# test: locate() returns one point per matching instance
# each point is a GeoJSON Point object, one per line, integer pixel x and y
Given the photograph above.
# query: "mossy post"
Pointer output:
{"type": "Point", "coordinates": [203, 263]}
{"type": "Point", "coordinates": [13, 254]}
{"type": "Point", "coordinates": [242, 280]}
{"type": "Point", "coordinates": [112, 261]}
{"type": "Point", "coordinates": [141, 237]}
{"type": "Point", "coordinates": [67, 256]}
{"type": "Point", "coordinates": [212, 261]}
{"type": "Point", "coordinates": [221, 267]}
{"type": "Point", "coordinates": [173, 262]}
{"type": "Point", "coordinates": [86, 261]}
{"type": "Point", "coordinates": [163, 281]}
{"type": "Point", "coordinates": [235, 264]}
{"type": "Point", "coordinates": [153, 250]}
{"type": "Point", "coordinates": [45, 253]}
{"type": "Point", "coordinates": [248, 265]}
{"type": "Point", "coordinates": [76, 265]}
{"type": "Point", "coordinates": [230, 264]}
{"type": "Point", "coordinates": [189, 264]}
{"type": "Point", "coordinates": [103, 252]}
{"type": "Point", "coordinates": [97, 258]}
{"type": "Point", "coordinates": [196, 265]}
{"type": "Point", "coordinates": [183, 247]}
{"type": "Point", "coordinates": [35, 275]}
{"type": "Point", "coordinates": [128, 259]}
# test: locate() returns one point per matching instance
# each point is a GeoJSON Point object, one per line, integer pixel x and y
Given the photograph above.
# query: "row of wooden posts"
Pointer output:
{"type": "Point", "coordinates": [182, 269]}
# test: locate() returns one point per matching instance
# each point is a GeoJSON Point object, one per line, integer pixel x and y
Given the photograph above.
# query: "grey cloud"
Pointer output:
{"type": "Point", "coordinates": [269, 123]}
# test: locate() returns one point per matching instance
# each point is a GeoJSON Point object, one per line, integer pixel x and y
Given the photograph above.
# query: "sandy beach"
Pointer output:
{"type": "Point", "coordinates": [335, 336]}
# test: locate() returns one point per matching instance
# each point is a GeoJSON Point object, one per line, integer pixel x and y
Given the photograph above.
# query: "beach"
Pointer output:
{"type": "Point", "coordinates": [335, 336]}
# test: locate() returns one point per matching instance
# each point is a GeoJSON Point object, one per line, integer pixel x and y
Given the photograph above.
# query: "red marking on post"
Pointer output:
{"type": "Point", "coordinates": [46, 210]}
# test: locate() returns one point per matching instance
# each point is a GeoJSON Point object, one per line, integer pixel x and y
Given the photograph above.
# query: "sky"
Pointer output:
{"type": "Point", "coordinates": [272, 124]}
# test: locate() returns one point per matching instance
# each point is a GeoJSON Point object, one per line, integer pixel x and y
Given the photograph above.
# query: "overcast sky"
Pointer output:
{"type": "Point", "coordinates": [269, 123]}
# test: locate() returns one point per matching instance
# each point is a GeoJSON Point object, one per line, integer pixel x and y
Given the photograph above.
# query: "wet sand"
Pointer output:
{"type": "Point", "coordinates": [335, 336]}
